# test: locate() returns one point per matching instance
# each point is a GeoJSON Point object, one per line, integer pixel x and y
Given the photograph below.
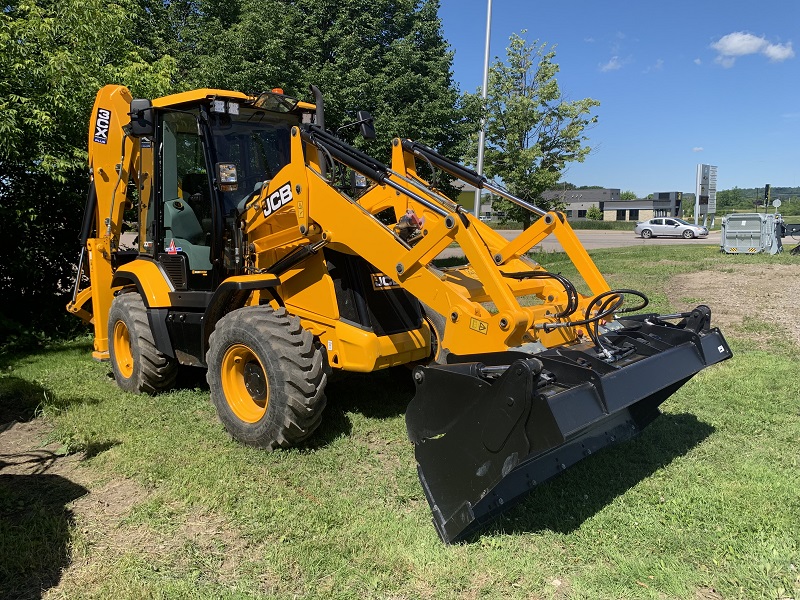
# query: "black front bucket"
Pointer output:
{"type": "Point", "coordinates": [491, 427]}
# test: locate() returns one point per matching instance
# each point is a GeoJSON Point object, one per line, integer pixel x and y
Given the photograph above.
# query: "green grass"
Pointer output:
{"type": "Point", "coordinates": [707, 497]}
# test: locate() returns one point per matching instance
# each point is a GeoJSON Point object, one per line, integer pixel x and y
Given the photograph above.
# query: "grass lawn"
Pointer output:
{"type": "Point", "coordinates": [705, 504]}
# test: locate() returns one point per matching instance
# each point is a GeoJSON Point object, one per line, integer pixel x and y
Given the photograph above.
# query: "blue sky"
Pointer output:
{"type": "Point", "coordinates": [679, 82]}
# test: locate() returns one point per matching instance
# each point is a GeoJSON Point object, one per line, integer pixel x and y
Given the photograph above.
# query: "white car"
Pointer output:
{"type": "Point", "coordinates": [669, 226]}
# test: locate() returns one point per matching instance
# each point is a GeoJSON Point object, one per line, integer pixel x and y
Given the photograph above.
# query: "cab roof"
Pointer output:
{"type": "Point", "coordinates": [209, 93]}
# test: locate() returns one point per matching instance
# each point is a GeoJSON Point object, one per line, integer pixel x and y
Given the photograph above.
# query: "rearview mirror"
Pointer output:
{"type": "Point", "coordinates": [367, 124]}
{"type": "Point", "coordinates": [141, 114]}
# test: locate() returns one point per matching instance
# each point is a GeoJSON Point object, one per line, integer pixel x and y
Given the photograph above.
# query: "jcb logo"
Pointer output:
{"type": "Point", "coordinates": [281, 197]}
{"type": "Point", "coordinates": [101, 126]}
{"type": "Point", "coordinates": [382, 282]}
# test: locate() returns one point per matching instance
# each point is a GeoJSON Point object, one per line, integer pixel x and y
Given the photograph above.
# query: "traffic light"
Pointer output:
{"type": "Point", "coordinates": [766, 194]}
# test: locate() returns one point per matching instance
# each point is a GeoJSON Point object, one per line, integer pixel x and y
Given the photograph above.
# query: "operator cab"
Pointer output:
{"type": "Point", "coordinates": [209, 152]}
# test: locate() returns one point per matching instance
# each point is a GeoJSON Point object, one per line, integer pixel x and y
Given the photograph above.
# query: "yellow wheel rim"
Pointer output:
{"type": "Point", "coordinates": [244, 383]}
{"type": "Point", "coordinates": [123, 355]}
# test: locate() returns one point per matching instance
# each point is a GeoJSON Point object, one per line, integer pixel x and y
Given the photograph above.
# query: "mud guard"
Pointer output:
{"type": "Point", "coordinates": [491, 427]}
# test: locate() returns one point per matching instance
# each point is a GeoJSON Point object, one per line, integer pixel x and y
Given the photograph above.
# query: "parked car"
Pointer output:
{"type": "Point", "coordinates": [669, 226]}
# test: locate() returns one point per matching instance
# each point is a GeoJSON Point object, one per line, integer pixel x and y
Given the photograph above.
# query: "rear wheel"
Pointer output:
{"type": "Point", "coordinates": [267, 377]}
{"type": "Point", "coordinates": [137, 364]}
{"type": "Point", "coordinates": [688, 234]}
{"type": "Point", "coordinates": [647, 234]}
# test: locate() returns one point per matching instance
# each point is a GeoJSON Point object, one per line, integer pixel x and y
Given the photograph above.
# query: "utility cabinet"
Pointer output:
{"type": "Point", "coordinates": [752, 233]}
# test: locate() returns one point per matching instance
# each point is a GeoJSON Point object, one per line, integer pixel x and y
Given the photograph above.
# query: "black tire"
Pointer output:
{"type": "Point", "coordinates": [436, 323]}
{"type": "Point", "coordinates": [267, 377]}
{"type": "Point", "coordinates": [137, 364]}
{"type": "Point", "coordinates": [647, 234]}
{"type": "Point", "coordinates": [688, 234]}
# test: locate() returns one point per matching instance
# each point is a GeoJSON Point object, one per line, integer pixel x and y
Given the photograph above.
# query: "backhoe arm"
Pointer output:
{"type": "Point", "coordinates": [113, 158]}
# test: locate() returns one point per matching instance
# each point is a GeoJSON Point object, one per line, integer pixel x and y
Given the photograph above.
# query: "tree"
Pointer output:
{"type": "Point", "coordinates": [628, 195]}
{"type": "Point", "coordinates": [385, 56]}
{"type": "Point", "coordinates": [53, 58]}
{"type": "Point", "coordinates": [594, 213]}
{"type": "Point", "coordinates": [532, 130]}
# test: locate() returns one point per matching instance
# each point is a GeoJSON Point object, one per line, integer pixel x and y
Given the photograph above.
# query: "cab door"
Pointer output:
{"type": "Point", "coordinates": [184, 237]}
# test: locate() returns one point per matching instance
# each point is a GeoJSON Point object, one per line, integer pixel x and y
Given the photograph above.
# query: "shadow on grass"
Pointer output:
{"type": "Point", "coordinates": [380, 395]}
{"type": "Point", "coordinates": [19, 401]}
{"type": "Point", "coordinates": [12, 355]}
{"type": "Point", "coordinates": [565, 502]}
{"type": "Point", "coordinates": [35, 532]}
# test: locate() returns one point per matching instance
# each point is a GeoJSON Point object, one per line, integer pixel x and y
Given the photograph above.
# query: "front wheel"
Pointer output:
{"type": "Point", "coordinates": [647, 234]}
{"type": "Point", "coordinates": [436, 324]}
{"type": "Point", "coordinates": [138, 366]}
{"type": "Point", "coordinates": [688, 234]}
{"type": "Point", "coordinates": [267, 377]}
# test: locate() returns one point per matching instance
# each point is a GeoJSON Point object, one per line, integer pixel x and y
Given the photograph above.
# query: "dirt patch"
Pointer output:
{"type": "Point", "coordinates": [707, 594]}
{"type": "Point", "coordinates": [90, 524]}
{"type": "Point", "coordinates": [744, 296]}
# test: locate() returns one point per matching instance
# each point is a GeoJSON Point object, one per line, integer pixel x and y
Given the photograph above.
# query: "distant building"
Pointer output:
{"type": "Point", "coordinates": [578, 202]}
{"type": "Point", "coordinates": [667, 204]}
{"type": "Point", "coordinates": [661, 204]}
{"type": "Point", "coordinates": [628, 210]}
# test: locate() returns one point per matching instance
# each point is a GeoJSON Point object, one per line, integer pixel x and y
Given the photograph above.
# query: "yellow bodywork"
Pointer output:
{"type": "Point", "coordinates": [348, 226]}
{"type": "Point", "coordinates": [481, 304]}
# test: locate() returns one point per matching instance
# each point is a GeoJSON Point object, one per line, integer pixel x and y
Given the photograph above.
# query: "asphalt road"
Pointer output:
{"type": "Point", "coordinates": [594, 240]}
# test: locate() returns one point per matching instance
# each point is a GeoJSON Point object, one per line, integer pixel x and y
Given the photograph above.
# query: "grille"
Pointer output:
{"type": "Point", "coordinates": [175, 268]}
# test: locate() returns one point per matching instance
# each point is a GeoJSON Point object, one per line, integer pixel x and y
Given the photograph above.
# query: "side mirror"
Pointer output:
{"type": "Point", "coordinates": [367, 124]}
{"type": "Point", "coordinates": [142, 123]}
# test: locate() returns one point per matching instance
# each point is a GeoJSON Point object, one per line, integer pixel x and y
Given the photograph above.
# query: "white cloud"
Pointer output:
{"type": "Point", "coordinates": [589, 40]}
{"type": "Point", "coordinates": [697, 61]}
{"type": "Point", "coordinates": [779, 52]}
{"type": "Point", "coordinates": [740, 43]}
{"type": "Point", "coordinates": [697, 149]}
{"type": "Point", "coordinates": [659, 64]}
{"type": "Point", "coordinates": [612, 65]}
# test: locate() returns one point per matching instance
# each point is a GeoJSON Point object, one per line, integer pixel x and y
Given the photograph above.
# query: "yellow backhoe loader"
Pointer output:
{"type": "Point", "coordinates": [272, 253]}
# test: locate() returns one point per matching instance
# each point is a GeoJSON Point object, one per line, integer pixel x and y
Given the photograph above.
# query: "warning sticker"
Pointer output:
{"type": "Point", "coordinates": [479, 326]}
{"type": "Point", "coordinates": [172, 248]}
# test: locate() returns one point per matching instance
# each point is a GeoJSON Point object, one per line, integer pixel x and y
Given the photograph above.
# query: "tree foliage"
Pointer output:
{"type": "Point", "coordinates": [53, 58]}
{"type": "Point", "coordinates": [532, 130]}
{"type": "Point", "coordinates": [385, 56]}
{"type": "Point", "coordinates": [628, 195]}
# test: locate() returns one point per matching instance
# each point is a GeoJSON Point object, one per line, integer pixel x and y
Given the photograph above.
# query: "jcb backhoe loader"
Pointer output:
{"type": "Point", "coordinates": [272, 253]}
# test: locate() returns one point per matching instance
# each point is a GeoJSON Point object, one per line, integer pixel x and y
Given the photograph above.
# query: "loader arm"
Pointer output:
{"type": "Point", "coordinates": [498, 270]}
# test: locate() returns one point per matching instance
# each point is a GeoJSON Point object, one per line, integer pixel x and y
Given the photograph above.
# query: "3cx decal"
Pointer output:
{"type": "Point", "coordinates": [101, 125]}
{"type": "Point", "coordinates": [280, 197]}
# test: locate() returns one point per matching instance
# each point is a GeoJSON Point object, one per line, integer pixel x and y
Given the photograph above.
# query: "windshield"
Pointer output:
{"type": "Point", "coordinates": [257, 142]}
{"type": "Point", "coordinates": [682, 222]}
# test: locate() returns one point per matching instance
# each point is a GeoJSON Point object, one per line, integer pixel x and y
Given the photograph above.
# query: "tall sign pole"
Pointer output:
{"type": "Point", "coordinates": [484, 95]}
{"type": "Point", "coordinates": [705, 202]}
